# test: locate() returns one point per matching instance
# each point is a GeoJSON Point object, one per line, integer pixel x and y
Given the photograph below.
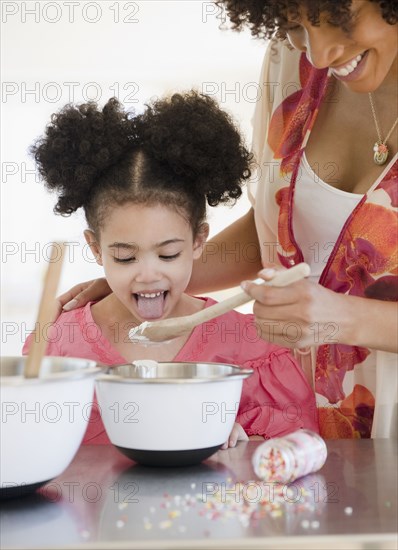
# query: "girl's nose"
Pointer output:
{"type": "Point", "coordinates": [147, 272]}
{"type": "Point", "coordinates": [324, 46]}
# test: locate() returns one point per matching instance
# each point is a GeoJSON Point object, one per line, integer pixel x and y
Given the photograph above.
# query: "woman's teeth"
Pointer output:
{"type": "Point", "coordinates": [347, 69]}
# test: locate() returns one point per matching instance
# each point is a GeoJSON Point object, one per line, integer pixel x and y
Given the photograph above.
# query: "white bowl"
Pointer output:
{"type": "Point", "coordinates": [43, 420]}
{"type": "Point", "coordinates": [172, 415]}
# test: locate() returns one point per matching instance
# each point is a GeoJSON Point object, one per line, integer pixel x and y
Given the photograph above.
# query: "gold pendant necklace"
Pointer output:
{"type": "Point", "coordinates": [380, 147]}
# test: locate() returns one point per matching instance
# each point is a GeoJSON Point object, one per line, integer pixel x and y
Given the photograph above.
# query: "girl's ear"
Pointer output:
{"type": "Point", "coordinates": [94, 245]}
{"type": "Point", "coordinates": [200, 240]}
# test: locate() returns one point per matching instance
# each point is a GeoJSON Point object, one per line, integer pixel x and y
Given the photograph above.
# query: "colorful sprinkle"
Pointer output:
{"type": "Point", "coordinates": [165, 524]}
{"type": "Point", "coordinates": [174, 514]}
{"type": "Point", "coordinates": [120, 523]}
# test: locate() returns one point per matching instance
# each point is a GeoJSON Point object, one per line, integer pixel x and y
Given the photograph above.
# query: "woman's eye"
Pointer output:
{"type": "Point", "coordinates": [293, 28]}
{"type": "Point", "coordinates": [168, 258]}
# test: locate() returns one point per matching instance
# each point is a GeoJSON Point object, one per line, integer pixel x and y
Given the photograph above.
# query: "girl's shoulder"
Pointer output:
{"type": "Point", "coordinates": [67, 335]}
{"type": "Point", "coordinates": [237, 335]}
{"type": "Point", "coordinates": [77, 315]}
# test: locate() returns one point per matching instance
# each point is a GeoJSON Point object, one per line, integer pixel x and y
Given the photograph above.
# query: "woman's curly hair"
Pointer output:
{"type": "Point", "coordinates": [268, 18]}
{"type": "Point", "coordinates": [182, 151]}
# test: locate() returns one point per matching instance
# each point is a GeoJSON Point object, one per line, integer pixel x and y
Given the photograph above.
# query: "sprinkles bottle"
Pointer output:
{"type": "Point", "coordinates": [284, 459]}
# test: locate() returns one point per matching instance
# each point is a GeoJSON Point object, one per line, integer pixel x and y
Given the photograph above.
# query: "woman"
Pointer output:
{"type": "Point", "coordinates": [325, 140]}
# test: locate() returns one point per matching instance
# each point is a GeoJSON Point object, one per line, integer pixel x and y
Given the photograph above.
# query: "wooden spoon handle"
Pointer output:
{"type": "Point", "coordinates": [282, 278]}
{"type": "Point", "coordinates": [47, 309]}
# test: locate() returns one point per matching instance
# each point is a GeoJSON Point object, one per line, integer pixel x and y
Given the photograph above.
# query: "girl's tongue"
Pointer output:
{"type": "Point", "coordinates": [150, 308]}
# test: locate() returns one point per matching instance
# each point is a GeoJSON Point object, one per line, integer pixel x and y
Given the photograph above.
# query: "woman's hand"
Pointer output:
{"type": "Point", "coordinates": [306, 314]}
{"type": "Point", "coordinates": [237, 434]}
{"type": "Point", "coordinates": [82, 293]}
{"type": "Point", "coordinates": [300, 314]}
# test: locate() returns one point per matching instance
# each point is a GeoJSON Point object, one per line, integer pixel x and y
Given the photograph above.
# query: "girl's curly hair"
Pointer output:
{"type": "Point", "coordinates": [183, 151]}
{"type": "Point", "coordinates": [268, 18]}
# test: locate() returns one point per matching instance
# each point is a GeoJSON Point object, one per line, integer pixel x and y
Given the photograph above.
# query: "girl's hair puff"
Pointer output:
{"type": "Point", "coordinates": [182, 151]}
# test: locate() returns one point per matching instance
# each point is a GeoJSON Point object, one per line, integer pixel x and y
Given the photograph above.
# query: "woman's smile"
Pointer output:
{"type": "Point", "coordinates": [351, 69]}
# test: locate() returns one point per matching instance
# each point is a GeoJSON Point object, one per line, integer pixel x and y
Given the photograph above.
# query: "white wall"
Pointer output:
{"type": "Point", "coordinates": [61, 51]}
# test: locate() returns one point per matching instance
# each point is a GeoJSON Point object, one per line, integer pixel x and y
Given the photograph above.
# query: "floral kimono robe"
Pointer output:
{"type": "Point", "coordinates": [356, 388]}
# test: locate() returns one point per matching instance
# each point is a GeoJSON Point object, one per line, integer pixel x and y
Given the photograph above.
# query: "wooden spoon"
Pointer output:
{"type": "Point", "coordinates": [47, 311]}
{"type": "Point", "coordinates": [160, 331]}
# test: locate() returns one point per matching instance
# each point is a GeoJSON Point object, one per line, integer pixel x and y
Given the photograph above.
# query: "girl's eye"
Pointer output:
{"type": "Point", "coordinates": [169, 258]}
{"type": "Point", "coordinates": [124, 260]}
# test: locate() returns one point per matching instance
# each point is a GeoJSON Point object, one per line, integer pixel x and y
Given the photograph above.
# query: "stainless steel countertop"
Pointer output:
{"type": "Point", "coordinates": [103, 500]}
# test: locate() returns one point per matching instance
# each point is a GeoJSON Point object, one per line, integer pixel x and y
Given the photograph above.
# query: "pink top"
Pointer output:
{"type": "Point", "coordinates": [276, 399]}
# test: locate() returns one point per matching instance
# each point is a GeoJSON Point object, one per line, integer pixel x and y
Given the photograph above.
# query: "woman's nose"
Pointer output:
{"type": "Point", "coordinates": [324, 47]}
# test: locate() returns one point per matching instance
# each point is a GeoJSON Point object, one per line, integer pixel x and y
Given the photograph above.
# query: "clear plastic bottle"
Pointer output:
{"type": "Point", "coordinates": [284, 459]}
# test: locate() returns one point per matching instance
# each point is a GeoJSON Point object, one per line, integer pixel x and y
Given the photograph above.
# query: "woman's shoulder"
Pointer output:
{"type": "Point", "coordinates": [280, 60]}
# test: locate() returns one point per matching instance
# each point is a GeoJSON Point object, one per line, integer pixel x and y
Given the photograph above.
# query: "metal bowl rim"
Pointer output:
{"type": "Point", "coordinates": [92, 368]}
{"type": "Point", "coordinates": [237, 374]}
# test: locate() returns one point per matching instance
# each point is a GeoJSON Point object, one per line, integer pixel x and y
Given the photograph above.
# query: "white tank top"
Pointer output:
{"type": "Point", "coordinates": [329, 208]}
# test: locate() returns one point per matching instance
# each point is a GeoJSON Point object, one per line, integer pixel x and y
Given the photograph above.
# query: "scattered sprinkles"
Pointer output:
{"type": "Point", "coordinates": [245, 502]}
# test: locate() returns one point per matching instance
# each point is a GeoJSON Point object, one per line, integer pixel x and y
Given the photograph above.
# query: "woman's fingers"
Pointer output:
{"type": "Point", "coordinates": [300, 315]}
{"type": "Point", "coordinates": [83, 293]}
{"type": "Point", "coordinates": [72, 292]}
{"type": "Point", "coordinates": [297, 315]}
{"type": "Point", "coordinates": [275, 296]}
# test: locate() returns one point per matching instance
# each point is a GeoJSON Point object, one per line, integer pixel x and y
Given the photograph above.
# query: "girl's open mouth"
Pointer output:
{"type": "Point", "coordinates": [151, 304]}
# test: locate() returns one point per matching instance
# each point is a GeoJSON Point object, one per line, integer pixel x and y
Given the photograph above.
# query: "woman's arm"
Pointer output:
{"type": "Point", "coordinates": [374, 325]}
{"type": "Point", "coordinates": [231, 256]}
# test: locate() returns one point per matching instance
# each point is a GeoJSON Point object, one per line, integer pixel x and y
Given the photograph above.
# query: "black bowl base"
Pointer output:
{"type": "Point", "coordinates": [16, 491]}
{"type": "Point", "coordinates": [169, 459]}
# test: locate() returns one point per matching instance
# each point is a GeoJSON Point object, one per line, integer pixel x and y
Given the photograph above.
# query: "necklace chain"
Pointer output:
{"type": "Point", "coordinates": [380, 147]}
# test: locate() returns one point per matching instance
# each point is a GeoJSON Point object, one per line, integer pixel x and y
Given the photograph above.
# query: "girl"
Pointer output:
{"type": "Point", "coordinates": [143, 182]}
